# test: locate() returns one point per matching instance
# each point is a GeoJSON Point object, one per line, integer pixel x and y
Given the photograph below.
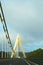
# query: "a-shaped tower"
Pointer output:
{"type": "Point", "coordinates": [18, 43]}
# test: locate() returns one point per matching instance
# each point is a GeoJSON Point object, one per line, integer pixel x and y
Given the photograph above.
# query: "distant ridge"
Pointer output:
{"type": "Point", "coordinates": [35, 54]}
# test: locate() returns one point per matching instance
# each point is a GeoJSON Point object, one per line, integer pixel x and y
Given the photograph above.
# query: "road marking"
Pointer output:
{"type": "Point", "coordinates": [33, 63]}
{"type": "Point", "coordinates": [29, 63]}
{"type": "Point", "coordinates": [26, 62]}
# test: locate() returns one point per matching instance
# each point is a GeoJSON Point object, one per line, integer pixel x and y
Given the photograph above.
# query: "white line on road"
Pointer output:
{"type": "Point", "coordinates": [26, 62]}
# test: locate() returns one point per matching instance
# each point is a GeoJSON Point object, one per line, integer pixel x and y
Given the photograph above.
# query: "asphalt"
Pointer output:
{"type": "Point", "coordinates": [16, 61]}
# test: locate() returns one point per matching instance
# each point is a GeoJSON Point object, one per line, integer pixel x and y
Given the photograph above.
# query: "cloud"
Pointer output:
{"type": "Point", "coordinates": [25, 17]}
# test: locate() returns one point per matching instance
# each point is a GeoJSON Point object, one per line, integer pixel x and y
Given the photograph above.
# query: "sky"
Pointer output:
{"type": "Point", "coordinates": [26, 18]}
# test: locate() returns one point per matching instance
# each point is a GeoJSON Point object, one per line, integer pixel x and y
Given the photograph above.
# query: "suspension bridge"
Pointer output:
{"type": "Point", "coordinates": [14, 59]}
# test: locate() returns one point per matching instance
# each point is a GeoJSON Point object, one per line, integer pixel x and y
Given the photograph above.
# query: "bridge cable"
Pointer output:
{"type": "Point", "coordinates": [5, 29]}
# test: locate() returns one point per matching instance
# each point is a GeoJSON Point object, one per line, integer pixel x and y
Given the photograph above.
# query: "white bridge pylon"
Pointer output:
{"type": "Point", "coordinates": [18, 43]}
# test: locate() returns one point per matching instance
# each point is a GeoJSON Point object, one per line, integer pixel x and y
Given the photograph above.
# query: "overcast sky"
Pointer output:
{"type": "Point", "coordinates": [26, 18]}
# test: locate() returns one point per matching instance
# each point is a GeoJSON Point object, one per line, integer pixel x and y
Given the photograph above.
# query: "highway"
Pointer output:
{"type": "Point", "coordinates": [16, 61]}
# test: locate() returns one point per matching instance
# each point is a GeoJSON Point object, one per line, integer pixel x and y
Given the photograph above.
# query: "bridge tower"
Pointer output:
{"type": "Point", "coordinates": [16, 46]}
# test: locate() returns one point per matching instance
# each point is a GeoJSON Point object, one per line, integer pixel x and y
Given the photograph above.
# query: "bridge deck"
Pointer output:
{"type": "Point", "coordinates": [15, 61]}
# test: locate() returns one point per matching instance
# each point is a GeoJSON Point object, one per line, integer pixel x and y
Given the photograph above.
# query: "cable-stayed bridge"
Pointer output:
{"type": "Point", "coordinates": [15, 59]}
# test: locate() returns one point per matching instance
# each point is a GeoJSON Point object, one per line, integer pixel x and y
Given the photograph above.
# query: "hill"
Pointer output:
{"type": "Point", "coordinates": [35, 54]}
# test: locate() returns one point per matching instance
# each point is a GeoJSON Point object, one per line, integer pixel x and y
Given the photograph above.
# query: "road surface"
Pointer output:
{"type": "Point", "coordinates": [16, 61]}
